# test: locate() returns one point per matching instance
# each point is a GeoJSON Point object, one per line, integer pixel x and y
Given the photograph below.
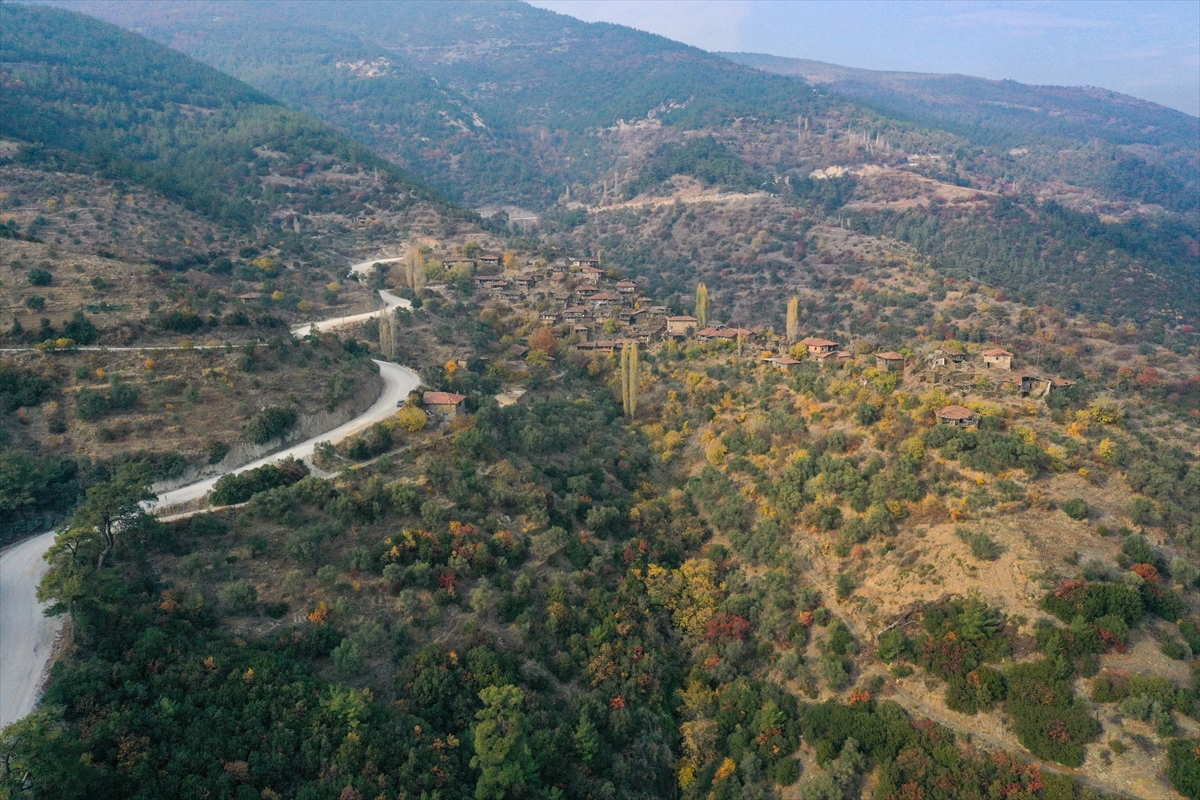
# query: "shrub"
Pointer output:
{"type": "Point", "coordinates": [834, 670]}
{"type": "Point", "coordinates": [1076, 509]}
{"type": "Point", "coordinates": [891, 645]}
{"type": "Point", "coordinates": [234, 488]}
{"type": "Point", "coordinates": [348, 658]}
{"type": "Point", "coordinates": [271, 423]}
{"type": "Point", "coordinates": [1093, 601]}
{"type": "Point", "coordinates": [239, 596]}
{"type": "Point", "coordinates": [412, 419]}
{"type": "Point", "coordinates": [304, 546]}
{"type": "Point", "coordinates": [977, 691]}
{"type": "Point", "coordinates": [40, 277]}
{"type": "Point", "coordinates": [276, 610]}
{"type": "Point", "coordinates": [1184, 767]}
{"type": "Point", "coordinates": [983, 547]}
{"type": "Point", "coordinates": [1046, 716]}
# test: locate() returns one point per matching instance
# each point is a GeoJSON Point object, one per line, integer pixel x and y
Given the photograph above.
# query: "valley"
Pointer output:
{"type": "Point", "coordinates": [780, 431]}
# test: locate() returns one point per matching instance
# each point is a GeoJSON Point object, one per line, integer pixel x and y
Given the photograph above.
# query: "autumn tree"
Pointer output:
{"type": "Point", "coordinates": [543, 339]}
{"type": "Point", "coordinates": [702, 305]}
{"type": "Point", "coordinates": [793, 319]}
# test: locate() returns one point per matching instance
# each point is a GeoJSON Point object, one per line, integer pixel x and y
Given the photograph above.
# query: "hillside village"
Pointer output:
{"type": "Point", "coordinates": [597, 310]}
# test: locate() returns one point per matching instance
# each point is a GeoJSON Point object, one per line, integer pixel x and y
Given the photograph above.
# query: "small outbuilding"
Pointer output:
{"type": "Point", "coordinates": [447, 404]}
{"type": "Point", "coordinates": [958, 416]}
{"type": "Point", "coordinates": [889, 361]}
{"type": "Point", "coordinates": [997, 358]}
{"type": "Point", "coordinates": [784, 363]}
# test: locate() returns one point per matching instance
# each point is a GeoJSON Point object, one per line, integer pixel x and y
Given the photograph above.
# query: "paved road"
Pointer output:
{"type": "Point", "coordinates": [390, 301]}
{"type": "Point", "coordinates": [27, 636]}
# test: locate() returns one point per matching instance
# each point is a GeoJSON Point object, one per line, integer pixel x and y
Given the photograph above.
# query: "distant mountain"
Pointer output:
{"type": "Point", "coordinates": [490, 102]}
{"type": "Point", "coordinates": [972, 105]}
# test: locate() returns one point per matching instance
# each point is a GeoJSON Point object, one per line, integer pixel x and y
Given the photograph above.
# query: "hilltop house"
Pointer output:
{"type": "Point", "coordinates": [784, 363]}
{"type": "Point", "coordinates": [721, 332]}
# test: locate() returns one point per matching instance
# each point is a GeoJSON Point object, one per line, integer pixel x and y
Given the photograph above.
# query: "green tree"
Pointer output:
{"type": "Point", "coordinates": [701, 305]}
{"type": "Point", "coordinates": [502, 752]}
{"type": "Point", "coordinates": [587, 740]}
{"type": "Point", "coordinates": [111, 509]}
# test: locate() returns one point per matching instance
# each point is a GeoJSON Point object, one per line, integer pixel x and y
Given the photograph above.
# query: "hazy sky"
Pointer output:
{"type": "Point", "coordinates": [1147, 49]}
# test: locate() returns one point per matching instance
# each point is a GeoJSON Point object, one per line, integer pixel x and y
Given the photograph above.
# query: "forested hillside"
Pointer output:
{"type": "Point", "coordinates": [147, 199]}
{"type": "Point", "coordinates": [781, 449]}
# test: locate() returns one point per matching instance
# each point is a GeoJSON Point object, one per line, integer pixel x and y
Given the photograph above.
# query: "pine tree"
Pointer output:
{"type": "Point", "coordinates": [502, 753]}
{"type": "Point", "coordinates": [793, 319]}
{"type": "Point", "coordinates": [587, 740]}
{"type": "Point", "coordinates": [701, 306]}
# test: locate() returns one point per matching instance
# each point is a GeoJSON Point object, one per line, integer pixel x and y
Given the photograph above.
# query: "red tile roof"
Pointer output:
{"type": "Point", "coordinates": [813, 341]}
{"type": "Point", "coordinates": [891, 356]}
{"type": "Point", "coordinates": [996, 352]}
{"type": "Point", "coordinates": [955, 412]}
{"type": "Point", "coordinates": [442, 398]}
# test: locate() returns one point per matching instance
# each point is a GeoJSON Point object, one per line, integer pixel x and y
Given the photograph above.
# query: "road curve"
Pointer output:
{"type": "Point", "coordinates": [390, 301]}
{"type": "Point", "coordinates": [398, 381]}
{"type": "Point", "coordinates": [27, 635]}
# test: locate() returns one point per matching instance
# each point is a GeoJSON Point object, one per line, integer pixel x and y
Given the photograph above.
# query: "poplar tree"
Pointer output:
{"type": "Point", "coordinates": [701, 306]}
{"type": "Point", "coordinates": [793, 319]}
{"type": "Point", "coordinates": [629, 378]}
{"type": "Point", "coordinates": [414, 269]}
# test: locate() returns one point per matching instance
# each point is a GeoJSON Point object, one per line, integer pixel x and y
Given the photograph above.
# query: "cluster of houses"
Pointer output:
{"type": "Point", "coordinates": [578, 294]}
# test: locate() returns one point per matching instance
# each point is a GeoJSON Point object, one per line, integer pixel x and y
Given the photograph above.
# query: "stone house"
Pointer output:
{"type": "Point", "coordinates": [997, 358]}
{"type": "Point", "coordinates": [447, 404]}
{"type": "Point", "coordinates": [958, 416]}
{"type": "Point", "coordinates": [681, 326]}
{"type": "Point", "coordinates": [889, 361]}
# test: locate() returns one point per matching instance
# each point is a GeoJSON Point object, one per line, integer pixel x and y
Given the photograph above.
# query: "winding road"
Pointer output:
{"type": "Point", "coordinates": [27, 635]}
